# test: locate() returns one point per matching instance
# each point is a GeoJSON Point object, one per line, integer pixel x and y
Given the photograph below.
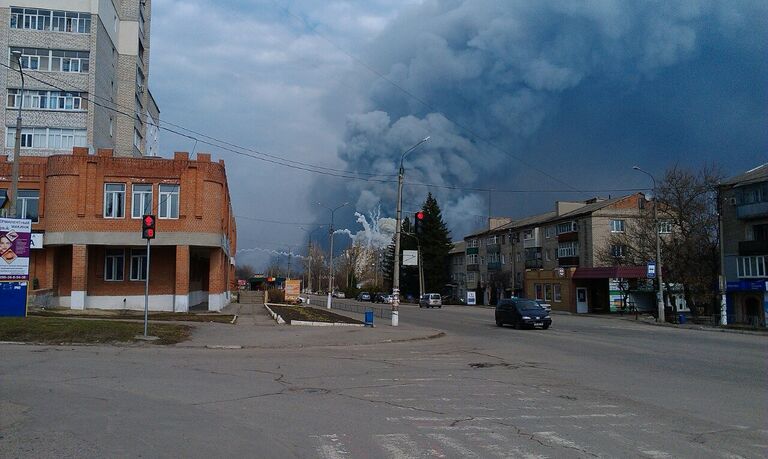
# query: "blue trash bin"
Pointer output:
{"type": "Point", "coordinates": [369, 318]}
{"type": "Point", "coordinates": [681, 319]}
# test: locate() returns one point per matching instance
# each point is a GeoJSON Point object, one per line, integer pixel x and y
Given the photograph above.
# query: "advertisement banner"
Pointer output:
{"type": "Point", "coordinates": [471, 298]}
{"type": "Point", "coordinates": [292, 289]}
{"type": "Point", "coordinates": [15, 238]}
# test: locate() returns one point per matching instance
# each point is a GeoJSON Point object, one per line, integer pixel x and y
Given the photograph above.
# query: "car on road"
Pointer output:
{"type": "Point", "coordinates": [431, 300]}
{"type": "Point", "coordinates": [521, 313]}
{"type": "Point", "coordinates": [339, 295]}
{"type": "Point", "coordinates": [383, 298]}
{"type": "Point", "coordinates": [545, 305]}
{"type": "Point", "coordinates": [364, 296]}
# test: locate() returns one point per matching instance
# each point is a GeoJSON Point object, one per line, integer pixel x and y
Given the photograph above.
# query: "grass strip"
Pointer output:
{"type": "Point", "coordinates": [309, 314]}
{"type": "Point", "coordinates": [54, 330]}
{"type": "Point", "coordinates": [136, 315]}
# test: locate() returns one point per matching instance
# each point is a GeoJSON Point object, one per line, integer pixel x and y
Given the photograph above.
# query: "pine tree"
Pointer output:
{"type": "Point", "coordinates": [435, 242]}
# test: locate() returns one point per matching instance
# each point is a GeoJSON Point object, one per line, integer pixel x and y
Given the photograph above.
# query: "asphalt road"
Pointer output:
{"type": "Point", "coordinates": [587, 387]}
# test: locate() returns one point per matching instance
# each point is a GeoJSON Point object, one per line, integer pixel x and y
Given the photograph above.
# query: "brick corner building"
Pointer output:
{"type": "Point", "coordinates": [86, 210]}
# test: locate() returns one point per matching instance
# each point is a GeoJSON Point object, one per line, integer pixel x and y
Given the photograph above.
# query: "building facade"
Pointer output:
{"type": "Point", "coordinates": [86, 211]}
{"type": "Point", "coordinates": [553, 256]}
{"type": "Point", "coordinates": [458, 270]}
{"type": "Point", "coordinates": [744, 214]}
{"type": "Point", "coordinates": [86, 73]}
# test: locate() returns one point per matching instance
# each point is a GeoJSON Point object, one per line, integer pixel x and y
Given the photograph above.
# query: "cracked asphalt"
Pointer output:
{"type": "Point", "coordinates": [587, 387]}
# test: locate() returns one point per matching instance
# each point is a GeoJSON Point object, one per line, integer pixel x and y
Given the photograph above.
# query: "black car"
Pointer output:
{"type": "Point", "coordinates": [522, 313]}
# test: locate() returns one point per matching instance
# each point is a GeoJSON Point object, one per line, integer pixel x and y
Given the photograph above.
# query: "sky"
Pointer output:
{"type": "Point", "coordinates": [538, 100]}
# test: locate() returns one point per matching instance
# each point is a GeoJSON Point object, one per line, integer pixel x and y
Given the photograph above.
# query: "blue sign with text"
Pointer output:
{"type": "Point", "coordinates": [13, 299]}
{"type": "Point", "coordinates": [651, 272]}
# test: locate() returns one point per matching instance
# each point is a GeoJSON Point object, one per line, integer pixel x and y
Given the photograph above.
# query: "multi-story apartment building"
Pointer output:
{"type": "Point", "coordinates": [458, 270]}
{"type": "Point", "coordinates": [744, 214]}
{"type": "Point", "coordinates": [86, 70]}
{"type": "Point", "coordinates": [86, 215]}
{"type": "Point", "coordinates": [553, 256]}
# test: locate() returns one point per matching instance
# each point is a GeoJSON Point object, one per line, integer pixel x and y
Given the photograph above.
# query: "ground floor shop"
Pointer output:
{"type": "Point", "coordinates": [747, 302]}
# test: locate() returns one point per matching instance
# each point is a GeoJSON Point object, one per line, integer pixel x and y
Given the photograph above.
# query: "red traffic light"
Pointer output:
{"type": "Point", "coordinates": [148, 227]}
{"type": "Point", "coordinates": [420, 215]}
{"type": "Point", "coordinates": [148, 220]}
{"type": "Point", "coordinates": [150, 233]}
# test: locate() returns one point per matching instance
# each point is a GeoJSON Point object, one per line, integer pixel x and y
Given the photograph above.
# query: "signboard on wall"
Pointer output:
{"type": "Point", "coordinates": [471, 297]}
{"type": "Point", "coordinates": [15, 239]}
{"type": "Point", "coordinates": [410, 257]}
{"type": "Point", "coordinates": [292, 289]}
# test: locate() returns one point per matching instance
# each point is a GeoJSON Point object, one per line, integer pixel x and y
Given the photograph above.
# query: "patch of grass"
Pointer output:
{"type": "Point", "coordinates": [53, 330]}
{"type": "Point", "coordinates": [135, 315]}
{"type": "Point", "coordinates": [289, 313]}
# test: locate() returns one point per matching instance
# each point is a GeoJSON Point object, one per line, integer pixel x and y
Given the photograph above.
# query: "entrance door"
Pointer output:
{"type": "Point", "coordinates": [582, 307]}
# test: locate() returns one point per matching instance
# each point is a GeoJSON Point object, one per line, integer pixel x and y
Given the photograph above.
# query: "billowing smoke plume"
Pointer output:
{"type": "Point", "coordinates": [504, 69]}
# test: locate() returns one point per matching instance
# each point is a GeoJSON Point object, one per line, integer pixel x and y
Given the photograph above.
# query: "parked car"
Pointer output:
{"type": "Point", "coordinates": [545, 305]}
{"type": "Point", "coordinates": [431, 300]}
{"type": "Point", "coordinates": [339, 295]}
{"type": "Point", "coordinates": [521, 313]}
{"type": "Point", "coordinates": [378, 297]}
{"type": "Point", "coordinates": [364, 296]}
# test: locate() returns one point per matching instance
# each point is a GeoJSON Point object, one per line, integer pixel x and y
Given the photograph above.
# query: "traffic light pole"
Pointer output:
{"type": "Point", "coordinates": [146, 292]}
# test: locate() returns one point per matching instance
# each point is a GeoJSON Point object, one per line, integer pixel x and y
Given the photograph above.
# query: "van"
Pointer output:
{"type": "Point", "coordinates": [431, 300]}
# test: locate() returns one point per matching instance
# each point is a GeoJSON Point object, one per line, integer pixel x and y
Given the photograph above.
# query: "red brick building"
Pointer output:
{"type": "Point", "coordinates": [88, 210]}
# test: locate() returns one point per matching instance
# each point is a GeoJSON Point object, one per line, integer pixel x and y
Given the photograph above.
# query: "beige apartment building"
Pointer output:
{"type": "Point", "coordinates": [86, 72]}
{"type": "Point", "coordinates": [553, 257]}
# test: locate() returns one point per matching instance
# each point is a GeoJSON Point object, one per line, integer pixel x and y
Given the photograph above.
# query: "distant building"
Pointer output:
{"type": "Point", "coordinates": [553, 256]}
{"type": "Point", "coordinates": [86, 211]}
{"type": "Point", "coordinates": [744, 201]}
{"type": "Point", "coordinates": [86, 67]}
{"type": "Point", "coordinates": [458, 270]}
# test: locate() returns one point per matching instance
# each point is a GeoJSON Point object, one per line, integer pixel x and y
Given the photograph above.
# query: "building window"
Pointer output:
{"type": "Point", "coordinates": [548, 255]}
{"type": "Point", "coordinates": [757, 232]}
{"type": "Point", "coordinates": [568, 249]}
{"type": "Point", "coordinates": [472, 259]}
{"type": "Point", "coordinates": [47, 100]}
{"type": "Point", "coordinates": [114, 200]}
{"type": "Point", "coordinates": [48, 138]}
{"type": "Point", "coordinates": [471, 276]}
{"type": "Point", "coordinates": [114, 263]}
{"type": "Point", "coordinates": [27, 204]}
{"type": "Point", "coordinates": [557, 293]}
{"type": "Point", "coordinates": [617, 226]}
{"type": "Point", "coordinates": [665, 227]}
{"type": "Point", "coordinates": [539, 291]}
{"type": "Point", "coordinates": [137, 139]}
{"type": "Point", "coordinates": [53, 60]}
{"type": "Point", "coordinates": [493, 258]}
{"type": "Point", "coordinates": [55, 21]}
{"type": "Point", "coordinates": [503, 239]}
{"type": "Point", "coordinates": [618, 250]}
{"type": "Point", "coordinates": [751, 266]}
{"type": "Point", "coordinates": [547, 292]}
{"type": "Point", "coordinates": [141, 200]}
{"type": "Point", "coordinates": [138, 264]}
{"type": "Point", "coordinates": [492, 240]}
{"type": "Point", "coordinates": [472, 243]}
{"type": "Point", "coordinates": [549, 231]}
{"type": "Point", "coordinates": [168, 205]}
{"type": "Point", "coordinates": [567, 227]}
{"type": "Point", "coordinates": [752, 194]}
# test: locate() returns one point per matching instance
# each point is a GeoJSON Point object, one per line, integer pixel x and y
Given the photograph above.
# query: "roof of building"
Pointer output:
{"type": "Point", "coordinates": [595, 206]}
{"type": "Point", "coordinates": [458, 247]}
{"type": "Point", "coordinates": [758, 174]}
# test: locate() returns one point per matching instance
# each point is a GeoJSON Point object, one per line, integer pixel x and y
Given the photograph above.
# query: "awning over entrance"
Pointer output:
{"type": "Point", "coordinates": [625, 272]}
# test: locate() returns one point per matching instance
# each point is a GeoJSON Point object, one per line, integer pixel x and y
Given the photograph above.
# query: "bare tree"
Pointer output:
{"type": "Point", "coordinates": [244, 271]}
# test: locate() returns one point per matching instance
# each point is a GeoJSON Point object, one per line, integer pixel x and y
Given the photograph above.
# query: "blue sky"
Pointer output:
{"type": "Point", "coordinates": [528, 95]}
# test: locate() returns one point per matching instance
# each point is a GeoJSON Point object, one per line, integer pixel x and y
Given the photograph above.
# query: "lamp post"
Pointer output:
{"type": "Point", "coordinates": [398, 226]}
{"type": "Point", "coordinates": [309, 255]}
{"type": "Point", "coordinates": [330, 258]}
{"type": "Point", "coordinates": [17, 146]}
{"type": "Point", "coordinates": [660, 299]}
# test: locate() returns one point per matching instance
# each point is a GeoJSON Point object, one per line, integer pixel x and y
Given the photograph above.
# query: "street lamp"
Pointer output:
{"type": "Point", "coordinates": [398, 226]}
{"type": "Point", "coordinates": [17, 146]}
{"type": "Point", "coordinates": [309, 255]}
{"type": "Point", "coordinates": [660, 299]}
{"type": "Point", "coordinates": [330, 264]}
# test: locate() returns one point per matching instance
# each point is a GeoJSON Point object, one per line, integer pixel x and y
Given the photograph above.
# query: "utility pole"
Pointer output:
{"type": "Point", "coordinates": [288, 277]}
{"type": "Point", "coordinates": [660, 299]}
{"type": "Point", "coordinates": [723, 279]}
{"type": "Point", "coordinates": [330, 255]}
{"type": "Point", "coordinates": [398, 228]}
{"type": "Point", "coordinates": [17, 146]}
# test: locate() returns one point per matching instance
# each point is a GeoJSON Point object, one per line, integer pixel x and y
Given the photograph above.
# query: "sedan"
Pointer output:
{"type": "Point", "coordinates": [522, 313]}
{"type": "Point", "coordinates": [364, 296]}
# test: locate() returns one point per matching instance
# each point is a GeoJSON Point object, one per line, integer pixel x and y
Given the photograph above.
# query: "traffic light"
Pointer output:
{"type": "Point", "coordinates": [148, 227]}
{"type": "Point", "coordinates": [418, 221]}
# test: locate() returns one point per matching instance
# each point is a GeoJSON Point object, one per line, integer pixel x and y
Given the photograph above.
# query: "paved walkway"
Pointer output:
{"type": "Point", "coordinates": [255, 329]}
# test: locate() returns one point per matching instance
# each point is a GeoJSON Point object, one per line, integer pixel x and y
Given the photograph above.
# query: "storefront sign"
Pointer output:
{"type": "Point", "coordinates": [760, 285]}
{"type": "Point", "coordinates": [471, 298]}
{"type": "Point", "coordinates": [651, 271]}
{"type": "Point", "coordinates": [36, 241]}
{"type": "Point", "coordinates": [15, 239]}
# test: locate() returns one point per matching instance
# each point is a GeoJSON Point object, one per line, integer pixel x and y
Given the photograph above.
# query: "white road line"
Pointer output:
{"type": "Point", "coordinates": [330, 447]}
{"type": "Point", "coordinates": [505, 448]}
{"type": "Point", "coordinates": [399, 446]}
{"type": "Point", "coordinates": [453, 444]}
{"type": "Point", "coordinates": [553, 437]}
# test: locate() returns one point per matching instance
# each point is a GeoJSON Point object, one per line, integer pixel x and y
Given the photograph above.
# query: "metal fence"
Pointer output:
{"type": "Point", "coordinates": [385, 312]}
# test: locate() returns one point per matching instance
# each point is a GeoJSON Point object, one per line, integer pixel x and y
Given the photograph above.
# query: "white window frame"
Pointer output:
{"type": "Point", "coordinates": [141, 196]}
{"type": "Point", "coordinates": [472, 243]}
{"type": "Point", "coordinates": [549, 231]}
{"type": "Point", "coordinates": [472, 258]}
{"type": "Point", "coordinates": [617, 226]}
{"type": "Point", "coordinates": [567, 227]}
{"type": "Point", "coordinates": [47, 138]}
{"type": "Point", "coordinates": [751, 267]}
{"type": "Point", "coordinates": [165, 201]}
{"type": "Point", "coordinates": [22, 204]}
{"type": "Point", "coordinates": [112, 258]}
{"type": "Point", "coordinates": [140, 255]}
{"type": "Point", "coordinates": [618, 250]}
{"type": "Point", "coordinates": [665, 227]}
{"type": "Point", "coordinates": [568, 249]}
{"type": "Point", "coordinates": [116, 196]}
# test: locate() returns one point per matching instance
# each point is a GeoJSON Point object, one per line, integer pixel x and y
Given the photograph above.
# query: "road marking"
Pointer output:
{"type": "Point", "coordinates": [453, 444]}
{"type": "Point", "coordinates": [502, 451]}
{"type": "Point", "coordinates": [331, 447]}
{"type": "Point", "coordinates": [552, 437]}
{"type": "Point", "coordinates": [399, 446]}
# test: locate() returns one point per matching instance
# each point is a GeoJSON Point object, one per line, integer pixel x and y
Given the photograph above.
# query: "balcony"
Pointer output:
{"type": "Point", "coordinates": [494, 266]}
{"type": "Point", "coordinates": [473, 267]}
{"type": "Point", "coordinates": [471, 250]}
{"type": "Point", "coordinates": [567, 237]}
{"type": "Point", "coordinates": [753, 248]}
{"type": "Point", "coordinates": [756, 210]}
{"type": "Point", "coordinates": [492, 248]}
{"type": "Point", "coordinates": [568, 261]}
{"type": "Point", "coordinates": [533, 264]}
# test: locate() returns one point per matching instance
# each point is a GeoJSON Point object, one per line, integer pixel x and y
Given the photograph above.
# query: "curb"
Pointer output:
{"type": "Point", "coordinates": [274, 315]}
{"type": "Point", "coordinates": [703, 328]}
{"type": "Point", "coordinates": [324, 324]}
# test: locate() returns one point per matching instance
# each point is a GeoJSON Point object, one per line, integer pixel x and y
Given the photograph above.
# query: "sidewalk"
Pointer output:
{"type": "Point", "coordinates": [255, 329]}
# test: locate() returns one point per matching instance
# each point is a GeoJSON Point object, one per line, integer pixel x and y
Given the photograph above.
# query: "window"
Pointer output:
{"type": "Point", "coordinates": [47, 100]}
{"type": "Point", "coordinates": [56, 21]}
{"type": "Point", "coordinates": [471, 276]}
{"type": "Point", "coordinates": [617, 226]}
{"type": "Point", "coordinates": [114, 264]}
{"type": "Point", "coordinates": [517, 257]}
{"type": "Point", "coordinates": [617, 250]}
{"type": "Point", "coordinates": [168, 205]}
{"type": "Point", "coordinates": [53, 60]}
{"type": "Point", "coordinates": [527, 235]}
{"type": "Point", "coordinates": [137, 139]}
{"type": "Point", "coordinates": [548, 255]}
{"type": "Point", "coordinates": [472, 243]}
{"type": "Point", "coordinates": [539, 291]}
{"type": "Point", "coordinates": [568, 227]}
{"type": "Point", "coordinates": [751, 266]}
{"type": "Point", "coordinates": [757, 232]}
{"type": "Point", "coordinates": [547, 292]}
{"type": "Point", "coordinates": [503, 239]}
{"type": "Point", "coordinates": [549, 231]}
{"type": "Point", "coordinates": [141, 200]}
{"type": "Point", "coordinates": [114, 200]}
{"type": "Point", "coordinates": [492, 240]}
{"type": "Point", "coordinates": [48, 138]}
{"type": "Point", "coordinates": [27, 204]}
{"type": "Point", "coordinates": [665, 227]}
{"type": "Point", "coordinates": [752, 194]}
{"type": "Point", "coordinates": [557, 293]}
{"type": "Point", "coordinates": [138, 264]}
{"type": "Point", "coordinates": [567, 249]}
{"type": "Point", "coordinates": [493, 258]}
{"type": "Point", "coordinates": [472, 259]}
